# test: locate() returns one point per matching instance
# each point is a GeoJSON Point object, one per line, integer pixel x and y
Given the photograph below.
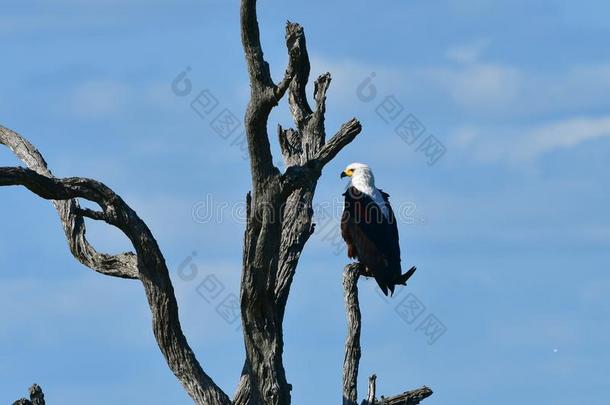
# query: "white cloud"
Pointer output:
{"type": "Point", "coordinates": [473, 83]}
{"type": "Point", "coordinates": [479, 86]}
{"type": "Point", "coordinates": [561, 135]}
{"type": "Point", "coordinates": [468, 53]}
{"type": "Point", "coordinates": [523, 144]}
{"type": "Point", "coordinates": [348, 74]}
{"type": "Point", "coordinates": [484, 91]}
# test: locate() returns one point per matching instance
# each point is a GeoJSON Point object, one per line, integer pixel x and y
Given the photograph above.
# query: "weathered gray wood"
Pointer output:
{"type": "Point", "coordinates": [351, 362]}
{"type": "Point", "coordinates": [351, 275]}
{"type": "Point", "coordinates": [123, 265]}
{"type": "Point", "coordinates": [280, 205]}
{"type": "Point", "coordinates": [370, 396]}
{"type": "Point", "coordinates": [407, 398]}
{"type": "Point", "coordinates": [36, 397]}
{"type": "Point", "coordinates": [151, 266]}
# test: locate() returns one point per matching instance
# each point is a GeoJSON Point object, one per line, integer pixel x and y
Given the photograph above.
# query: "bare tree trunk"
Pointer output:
{"type": "Point", "coordinates": [280, 206]}
{"type": "Point", "coordinates": [351, 274]}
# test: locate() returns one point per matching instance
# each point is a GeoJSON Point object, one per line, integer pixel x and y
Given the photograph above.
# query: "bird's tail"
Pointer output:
{"type": "Point", "coordinates": [384, 285]}
{"type": "Point", "coordinates": [387, 284]}
{"type": "Point", "coordinates": [402, 279]}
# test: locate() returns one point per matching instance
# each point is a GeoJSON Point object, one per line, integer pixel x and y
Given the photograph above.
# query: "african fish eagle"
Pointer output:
{"type": "Point", "coordinates": [369, 228]}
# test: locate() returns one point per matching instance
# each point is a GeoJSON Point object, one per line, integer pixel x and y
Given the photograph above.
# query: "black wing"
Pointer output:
{"type": "Point", "coordinates": [371, 237]}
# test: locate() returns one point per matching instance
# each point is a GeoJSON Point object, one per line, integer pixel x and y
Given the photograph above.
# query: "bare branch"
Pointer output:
{"type": "Point", "coordinates": [244, 389]}
{"type": "Point", "coordinates": [91, 214]}
{"type": "Point", "coordinates": [351, 273]}
{"type": "Point", "coordinates": [319, 93]}
{"type": "Point", "coordinates": [290, 144]}
{"type": "Point", "coordinates": [297, 99]}
{"type": "Point", "coordinates": [282, 86]}
{"type": "Point", "coordinates": [372, 391]}
{"type": "Point", "coordinates": [258, 68]}
{"type": "Point", "coordinates": [151, 266]}
{"type": "Point", "coordinates": [344, 136]}
{"type": "Point", "coordinates": [304, 149]}
{"type": "Point", "coordinates": [294, 54]}
{"type": "Point", "coordinates": [298, 176]}
{"type": "Point", "coordinates": [408, 398]}
{"type": "Point", "coordinates": [262, 99]}
{"type": "Point", "coordinates": [307, 143]}
{"type": "Point", "coordinates": [122, 265]}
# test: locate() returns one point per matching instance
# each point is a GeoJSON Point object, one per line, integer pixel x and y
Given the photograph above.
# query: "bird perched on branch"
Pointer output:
{"type": "Point", "coordinates": [369, 228]}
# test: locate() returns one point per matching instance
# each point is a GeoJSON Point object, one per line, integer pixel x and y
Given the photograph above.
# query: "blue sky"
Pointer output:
{"type": "Point", "coordinates": [509, 229]}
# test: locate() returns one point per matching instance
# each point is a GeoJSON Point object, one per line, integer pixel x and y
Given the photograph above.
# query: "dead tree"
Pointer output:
{"type": "Point", "coordinates": [279, 223]}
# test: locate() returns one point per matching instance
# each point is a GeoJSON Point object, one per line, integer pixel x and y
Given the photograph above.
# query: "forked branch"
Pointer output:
{"type": "Point", "coordinates": [351, 274]}
{"type": "Point", "coordinates": [280, 207]}
{"type": "Point", "coordinates": [123, 265]}
{"type": "Point", "coordinates": [150, 266]}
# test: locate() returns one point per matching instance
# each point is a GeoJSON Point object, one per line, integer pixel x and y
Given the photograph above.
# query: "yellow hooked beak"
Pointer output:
{"type": "Point", "coordinates": [347, 173]}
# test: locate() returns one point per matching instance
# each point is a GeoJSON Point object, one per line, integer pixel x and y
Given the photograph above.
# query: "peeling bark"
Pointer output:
{"type": "Point", "coordinates": [407, 398]}
{"type": "Point", "coordinates": [351, 274]}
{"type": "Point", "coordinates": [123, 265]}
{"type": "Point", "coordinates": [280, 205]}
